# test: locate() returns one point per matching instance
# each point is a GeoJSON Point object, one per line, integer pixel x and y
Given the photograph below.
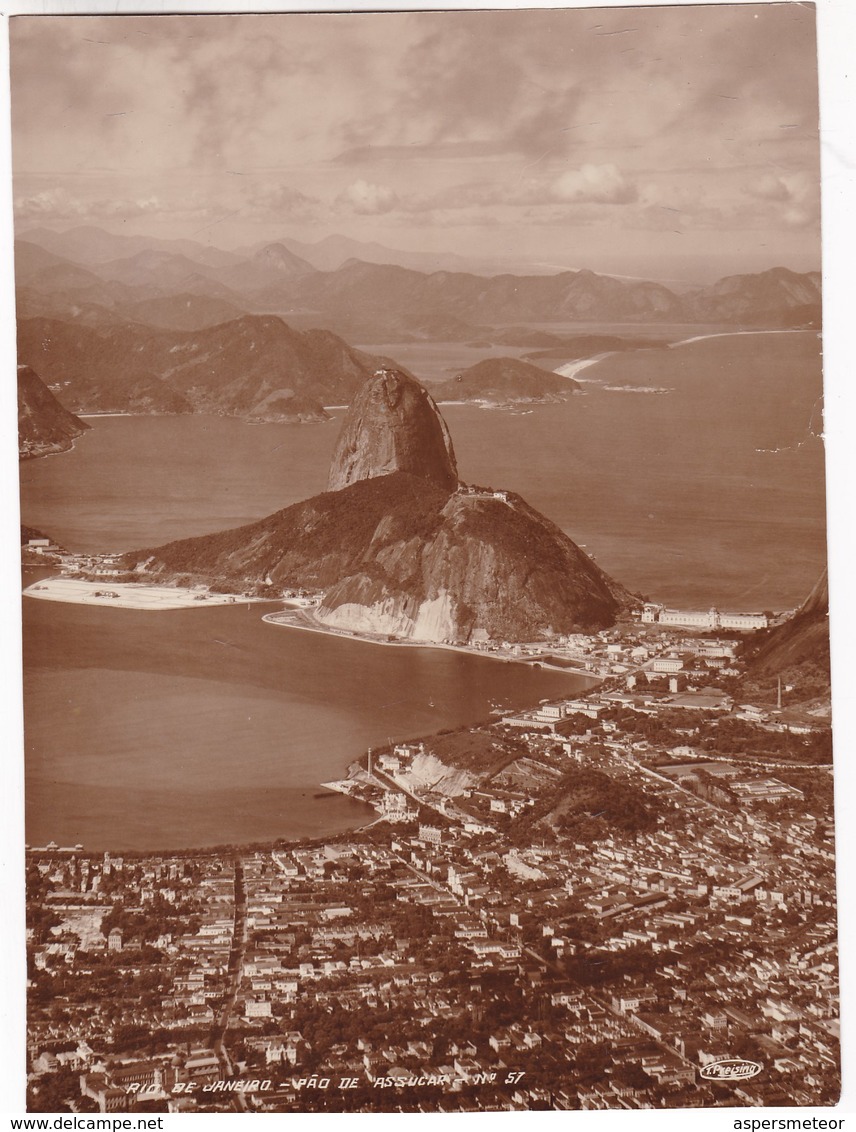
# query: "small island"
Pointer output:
{"type": "Point", "coordinates": [506, 381]}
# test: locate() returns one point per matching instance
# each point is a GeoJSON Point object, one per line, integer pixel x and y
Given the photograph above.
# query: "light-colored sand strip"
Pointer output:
{"type": "Point", "coordinates": [572, 369]}
{"type": "Point", "coordinates": [732, 334]}
{"type": "Point", "coordinates": [127, 595]}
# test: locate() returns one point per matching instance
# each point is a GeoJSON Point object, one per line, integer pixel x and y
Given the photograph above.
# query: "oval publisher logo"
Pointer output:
{"type": "Point", "coordinates": [730, 1069]}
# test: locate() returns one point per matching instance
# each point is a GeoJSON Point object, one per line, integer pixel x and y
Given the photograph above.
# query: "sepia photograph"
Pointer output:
{"type": "Point", "coordinates": [423, 542]}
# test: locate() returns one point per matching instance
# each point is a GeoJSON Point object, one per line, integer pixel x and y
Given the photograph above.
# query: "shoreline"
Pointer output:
{"type": "Point", "coordinates": [573, 368]}
{"type": "Point", "coordinates": [737, 334]}
{"type": "Point", "coordinates": [55, 450]}
{"type": "Point", "coordinates": [365, 820]}
{"type": "Point", "coordinates": [310, 624]}
{"type": "Point", "coordinates": [108, 594]}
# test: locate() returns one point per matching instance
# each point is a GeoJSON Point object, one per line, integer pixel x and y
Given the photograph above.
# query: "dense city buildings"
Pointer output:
{"type": "Point", "coordinates": [589, 905]}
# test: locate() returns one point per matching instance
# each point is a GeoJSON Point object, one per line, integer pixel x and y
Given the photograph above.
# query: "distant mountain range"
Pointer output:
{"type": "Point", "coordinates": [129, 324]}
{"type": "Point", "coordinates": [88, 244]}
{"type": "Point", "coordinates": [376, 300]}
{"type": "Point", "coordinates": [92, 245]}
{"type": "Point", "coordinates": [775, 298]}
{"type": "Point", "coordinates": [154, 273]}
{"type": "Point", "coordinates": [333, 252]}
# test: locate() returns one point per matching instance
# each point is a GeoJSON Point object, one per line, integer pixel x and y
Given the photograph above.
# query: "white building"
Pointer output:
{"type": "Point", "coordinates": [702, 619]}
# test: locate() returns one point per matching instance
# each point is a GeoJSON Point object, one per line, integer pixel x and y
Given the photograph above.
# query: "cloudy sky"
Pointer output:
{"type": "Point", "coordinates": [666, 142]}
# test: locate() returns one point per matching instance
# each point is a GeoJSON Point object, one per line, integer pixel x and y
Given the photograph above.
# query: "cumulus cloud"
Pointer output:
{"type": "Point", "coordinates": [797, 193]}
{"type": "Point", "coordinates": [769, 188]}
{"type": "Point", "coordinates": [278, 201]}
{"type": "Point", "coordinates": [369, 199]}
{"type": "Point", "coordinates": [594, 184]}
{"type": "Point", "coordinates": [59, 204]}
{"type": "Point", "coordinates": [49, 204]}
{"type": "Point", "coordinates": [656, 120]}
{"type": "Point", "coordinates": [589, 185]}
{"type": "Point", "coordinates": [798, 187]}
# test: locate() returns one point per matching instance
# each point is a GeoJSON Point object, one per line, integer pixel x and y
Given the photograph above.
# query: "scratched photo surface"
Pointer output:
{"type": "Point", "coordinates": [426, 663]}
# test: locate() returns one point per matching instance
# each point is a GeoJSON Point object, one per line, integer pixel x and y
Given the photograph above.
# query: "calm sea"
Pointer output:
{"type": "Point", "coordinates": [196, 727]}
{"type": "Point", "coordinates": [199, 727]}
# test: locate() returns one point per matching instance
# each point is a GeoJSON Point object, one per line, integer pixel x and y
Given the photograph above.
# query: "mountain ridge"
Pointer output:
{"type": "Point", "coordinates": [255, 366]}
{"type": "Point", "coordinates": [795, 652]}
{"type": "Point", "coordinates": [375, 301]}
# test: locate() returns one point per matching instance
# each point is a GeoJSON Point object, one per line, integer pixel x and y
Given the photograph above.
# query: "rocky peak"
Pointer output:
{"type": "Point", "coordinates": [44, 425]}
{"type": "Point", "coordinates": [393, 425]}
{"type": "Point", "coordinates": [278, 257]}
